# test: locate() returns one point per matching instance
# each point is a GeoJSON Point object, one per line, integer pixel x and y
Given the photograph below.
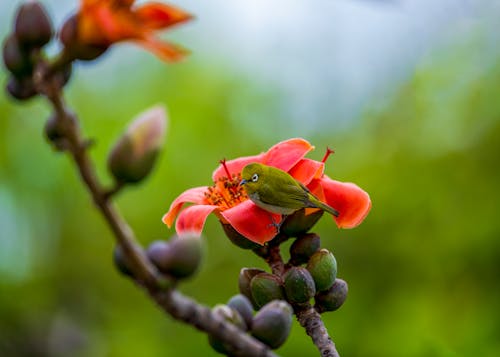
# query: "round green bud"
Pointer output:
{"type": "Point", "coordinates": [21, 88]}
{"type": "Point", "coordinates": [16, 60]}
{"type": "Point", "coordinates": [244, 279]}
{"type": "Point", "coordinates": [265, 288]}
{"type": "Point", "coordinates": [120, 261]}
{"type": "Point", "coordinates": [32, 26]}
{"type": "Point", "coordinates": [230, 315]}
{"type": "Point", "coordinates": [299, 223]}
{"type": "Point", "coordinates": [244, 307]}
{"type": "Point", "coordinates": [303, 248]}
{"type": "Point", "coordinates": [333, 298]}
{"type": "Point", "coordinates": [72, 44]}
{"type": "Point", "coordinates": [180, 257]}
{"type": "Point", "coordinates": [272, 324]}
{"type": "Point", "coordinates": [299, 285]}
{"type": "Point", "coordinates": [237, 239]}
{"type": "Point", "coordinates": [134, 154]}
{"type": "Point", "coordinates": [323, 269]}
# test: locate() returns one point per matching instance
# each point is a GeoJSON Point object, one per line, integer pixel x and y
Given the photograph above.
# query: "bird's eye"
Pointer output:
{"type": "Point", "coordinates": [255, 177]}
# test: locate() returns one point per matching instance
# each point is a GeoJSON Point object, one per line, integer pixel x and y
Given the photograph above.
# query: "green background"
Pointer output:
{"type": "Point", "coordinates": [423, 269]}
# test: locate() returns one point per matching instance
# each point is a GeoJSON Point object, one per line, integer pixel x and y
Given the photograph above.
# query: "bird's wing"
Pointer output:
{"type": "Point", "coordinates": [296, 197]}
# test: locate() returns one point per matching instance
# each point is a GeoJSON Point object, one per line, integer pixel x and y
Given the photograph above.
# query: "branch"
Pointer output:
{"type": "Point", "coordinates": [175, 304]}
{"type": "Point", "coordinates": [311, 321]}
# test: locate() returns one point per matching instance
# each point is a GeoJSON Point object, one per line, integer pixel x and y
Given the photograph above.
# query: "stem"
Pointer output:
{"type": "Point", "coordinates": [175, 304]}
{"type": "Point", "coordinates": [311, 321]}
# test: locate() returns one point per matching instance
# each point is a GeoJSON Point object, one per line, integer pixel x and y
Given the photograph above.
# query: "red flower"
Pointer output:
{"type": "Point", "coordinates": [232, 206]}
{"type": "Point", "coordinates": [104, 22]}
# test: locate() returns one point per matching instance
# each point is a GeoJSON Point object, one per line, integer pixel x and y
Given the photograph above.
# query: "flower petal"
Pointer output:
{"type": "Point", "coordinates": [350, 200]}
{"type": "Point", "coordinates": [252, 222]}
{"type": "Point", "coordinates": [165, 51]}
{"type": "Point", "coordinates": [192, 219]}
{"type": "Point", "coordinates": [284, 155]}
{"type": "Point", "coordinates": [235, 166]}
{"type": "Point", "coordinates": [193, 195]}
{"type": "Point", "coordinates": [306, 170]}
{"type": "Point", "coordinates": [159, 16]}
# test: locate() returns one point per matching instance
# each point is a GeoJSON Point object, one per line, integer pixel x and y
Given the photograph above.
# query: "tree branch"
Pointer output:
{"type": "Point", "coordinates": [175, 304]}
{"type": "Point", "coordinates": [311, 321]}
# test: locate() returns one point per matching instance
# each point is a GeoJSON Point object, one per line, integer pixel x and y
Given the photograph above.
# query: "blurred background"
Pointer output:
{"type": "Point", "coordinates": [406, 91]}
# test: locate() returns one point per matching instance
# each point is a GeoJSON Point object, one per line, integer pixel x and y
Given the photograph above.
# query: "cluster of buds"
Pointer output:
{"type": "Point", "coordinates": [270, 325]}
{"type": "Point", "coordinates": [32, 30]}
{"type": "Point", "coordinates": [178, 258]}
{"type": "Point", "coordinates": [311, 273]}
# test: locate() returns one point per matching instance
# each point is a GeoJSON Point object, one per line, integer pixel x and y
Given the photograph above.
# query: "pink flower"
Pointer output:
{"type": "Point", "coordinates": [229, 202]}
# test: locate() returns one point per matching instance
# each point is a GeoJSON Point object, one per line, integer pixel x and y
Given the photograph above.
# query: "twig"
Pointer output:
{"type": "Point", "coordinates": [171, 301]}
{"type": "Point", "coordinates": [311, 321]}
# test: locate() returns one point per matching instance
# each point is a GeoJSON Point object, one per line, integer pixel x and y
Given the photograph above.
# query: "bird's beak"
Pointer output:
{"type": "Point", "coordinates": [242, 182]}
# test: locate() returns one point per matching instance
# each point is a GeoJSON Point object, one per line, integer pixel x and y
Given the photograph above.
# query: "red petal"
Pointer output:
{"type": "Point", "coordinates": [235, 166]}
{"type": "Point", "coordinates": [164, 50]}
{"type": "Point", "coordinates": [252, 222]}
{"type": "Point", "coordinates": [351, 201]}
{"type": "Point", "coordinates": [193, 195]}
{"type": "Point", "coordinates": [192, 219]}
{"type": "Point", "coordinates": [287, 154]}
{"type": "Point", "coordinates": [306, 170]}
{"type": "Point", "coordinates": [159, 16]}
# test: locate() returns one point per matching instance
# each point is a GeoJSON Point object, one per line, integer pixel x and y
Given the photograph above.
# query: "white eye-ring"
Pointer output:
{"type": "Point", "coordinates": [255, 177]}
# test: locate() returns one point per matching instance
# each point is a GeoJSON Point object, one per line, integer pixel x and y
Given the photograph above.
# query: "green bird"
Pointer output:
{"type": "Point", "coordinates": [276, 191]}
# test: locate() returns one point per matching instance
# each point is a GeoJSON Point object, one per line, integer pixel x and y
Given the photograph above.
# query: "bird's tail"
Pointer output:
{"type": "Point", "coordinates": [328, 209]}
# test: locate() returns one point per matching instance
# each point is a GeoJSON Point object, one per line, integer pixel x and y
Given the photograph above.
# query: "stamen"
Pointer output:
{"type": "Point", "coordinates": [327, 153]}
{"type": "Point", "coordinates": [223, 163]}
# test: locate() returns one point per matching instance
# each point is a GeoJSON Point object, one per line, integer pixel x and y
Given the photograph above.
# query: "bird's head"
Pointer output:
{"type": "Point", "coordinates": [252, 176]}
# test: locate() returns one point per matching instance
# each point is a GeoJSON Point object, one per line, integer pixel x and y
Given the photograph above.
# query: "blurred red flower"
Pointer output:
{"type": "Point", "coordinates": [228, 200]}
{"type": "Point", "coordinates": [105, 22]}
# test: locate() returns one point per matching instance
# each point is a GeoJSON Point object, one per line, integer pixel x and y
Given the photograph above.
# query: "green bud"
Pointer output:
{"type": "Point", "coordinates": [180, 257]}
{"type": "Point", "coordinates": [237, 239]}
{"type": "Point", "coordinates": [272, 324]}
{"type": "Point", "coordinates": [299, 285]}
{"type": "Point", "coordinates": [16, 60]}
{"type": "Point", "coordinates": [244, 279]}
{"type": "Point", "coordinates": [72, 44]}
{"type": "Point", "coordinates": [303, 248]}
{"type": "Point", "coordinates": [121, 262]}
{"type": "Point", "coordinates": [323, 269]}
{"type": "Point", "coordinates": [298, 222]}
{"type": "Point", "coordinates": [333, 298]}
{"type": "Point", "coordinates": [134, 154]}
{"type": "Point", "coordinates": [32, 27]}
{"type": "Point", "coordinates": [230, 315]}
{"type": "Point", "coordinates": [244, 307]}
{"type": "Point", "coordinates": [265, 288]}
{"type": "Point", "coordinates": [22, 88]}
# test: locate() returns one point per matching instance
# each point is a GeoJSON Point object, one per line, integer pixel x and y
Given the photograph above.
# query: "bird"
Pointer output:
{"type": "Point", "coordinates": [276, 191]}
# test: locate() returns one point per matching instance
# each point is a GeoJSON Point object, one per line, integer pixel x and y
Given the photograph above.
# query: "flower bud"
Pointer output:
{"type": "Point", "coordinates": [244, 307]}
{"type": "Point", "coordinates": [22, 88]}
{"type": "Point", "coordinates": [16, 60]}
{"type": "Point", "coordinates": [180, 257]}
{"type": "Point", "coordinates": [134, 154]}
{"type": "Point", "coordinates": [272, 324]}
{"type": "Point", "coordinates": [72, 44]}
{"type": "Point", "coordinates": [121, 261]}
{"type": "Point", "coordinates": [237, 239]}
{"type": "Point", "coordinates": [265, 288]}
{"type": "Point", "coordinates": [323, 269]}
{"type": "Point", "coordinates": [244, 279]}
{"type": "Point", "coordinates": [299, 285]}
{"type": "Point", "coordinates": [32, 27]}
{"type": "Point", "coordinates": [230, 315]}
{"type": "Point", "coordinates": [333, 298]}
{"type": "Point", "coordinates": [303, 248]}
{"type": "Point", "coordinates": [299, 222]}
